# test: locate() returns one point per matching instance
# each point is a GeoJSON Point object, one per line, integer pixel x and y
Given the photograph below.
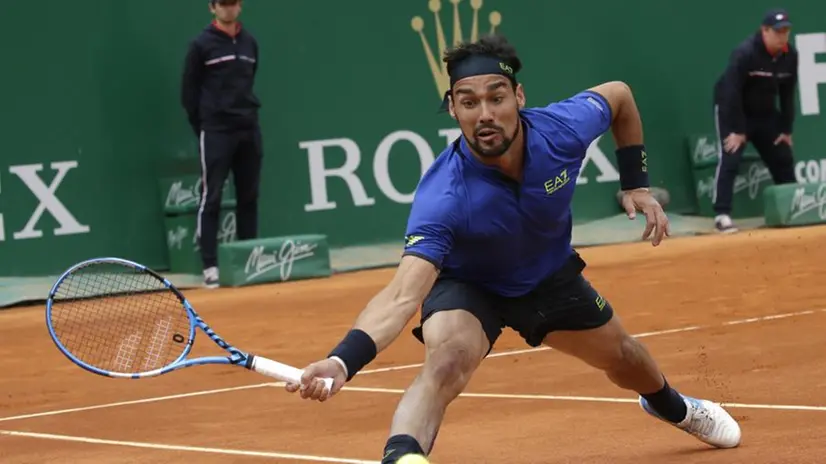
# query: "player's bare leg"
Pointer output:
{"type": "Point", "coordinates": [611, 349]}
{"type": "Point", "coordinates": [455, 345]}
{"type": "Point", "coordinates": [629, 365]}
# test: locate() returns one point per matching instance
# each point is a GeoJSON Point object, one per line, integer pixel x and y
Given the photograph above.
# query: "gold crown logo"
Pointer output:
{"type": "Point", "coordinates": [438, 67]}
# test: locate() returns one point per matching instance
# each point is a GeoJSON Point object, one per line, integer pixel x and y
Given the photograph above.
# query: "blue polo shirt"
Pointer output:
{"type": "Point", "coordinates": [477, 225]}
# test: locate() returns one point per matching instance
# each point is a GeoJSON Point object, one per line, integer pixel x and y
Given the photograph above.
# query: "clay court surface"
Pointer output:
{"type": "Point", "coordinates": [739, 319]}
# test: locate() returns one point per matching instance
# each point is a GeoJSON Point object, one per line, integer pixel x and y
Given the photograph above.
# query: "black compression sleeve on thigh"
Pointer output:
{"type": "Point", "coordinates": [356, 350]}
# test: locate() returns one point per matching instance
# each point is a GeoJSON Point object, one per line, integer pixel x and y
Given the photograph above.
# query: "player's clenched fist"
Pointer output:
{"type": "Point", "coordinates": [312, 380]}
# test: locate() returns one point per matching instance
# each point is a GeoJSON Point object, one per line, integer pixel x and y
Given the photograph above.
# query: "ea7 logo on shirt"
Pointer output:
{"type": "Point", "coordinates": [411, 240]}
{"type": "Point", "coordinates": [552, 185]}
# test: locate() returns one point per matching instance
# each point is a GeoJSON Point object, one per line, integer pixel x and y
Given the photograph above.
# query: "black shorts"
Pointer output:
{"type": "Point", "coordinates": [564, 301]}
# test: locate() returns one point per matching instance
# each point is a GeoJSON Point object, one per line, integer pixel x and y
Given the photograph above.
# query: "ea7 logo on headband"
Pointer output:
{"type": "Point", "coordinates": [505, 68]}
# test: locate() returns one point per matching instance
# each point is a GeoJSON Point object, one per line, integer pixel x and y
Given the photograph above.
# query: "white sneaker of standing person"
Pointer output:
{"type": "Point", "coordinates": [724, 224]}
{"type": "Point", "coordinates": [211, 277]}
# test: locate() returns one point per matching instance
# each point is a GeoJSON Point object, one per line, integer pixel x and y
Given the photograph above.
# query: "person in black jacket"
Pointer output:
{"type": "Point", "coordinates": [761, 70]}
{"type": "Point", "coordinates": [217, 94]}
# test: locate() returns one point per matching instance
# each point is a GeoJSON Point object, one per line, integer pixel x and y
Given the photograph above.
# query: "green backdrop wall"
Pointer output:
{"type": "Point", "coordinates": [91, 117]}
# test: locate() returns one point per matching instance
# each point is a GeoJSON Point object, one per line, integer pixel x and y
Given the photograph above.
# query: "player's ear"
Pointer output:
{"type": "Point", "coordinates": [520, 96]}
{"type": "Point", "coordinates": [450, 108]}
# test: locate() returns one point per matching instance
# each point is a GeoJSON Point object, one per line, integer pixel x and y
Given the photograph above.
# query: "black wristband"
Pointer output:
{"type": "Point", "coordinates": [633, 167]}
{"type": "Point", "coordinates": [357, 349]}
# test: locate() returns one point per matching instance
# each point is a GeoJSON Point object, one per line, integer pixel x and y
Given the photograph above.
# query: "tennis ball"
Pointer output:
{"type": "Point", "coordinates": [413, 459]}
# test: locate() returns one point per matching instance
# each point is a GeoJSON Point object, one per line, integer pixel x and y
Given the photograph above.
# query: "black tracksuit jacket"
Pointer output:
{"type": "Point", "coordinates": [755, 83]}
{"type": "Point", "coordinates": [218, 77]}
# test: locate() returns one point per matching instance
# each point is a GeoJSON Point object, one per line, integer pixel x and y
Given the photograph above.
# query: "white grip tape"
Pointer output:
{"type": "Point", "coordinates": [282, 372]}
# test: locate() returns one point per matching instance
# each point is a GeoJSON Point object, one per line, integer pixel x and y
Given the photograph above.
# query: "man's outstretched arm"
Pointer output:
{"type": "Point", "coordinates": [392, 308]}
{"type": "Point", "coordinates": [378, 325]}
{"type": "Point", "coordinates": [632, 159]}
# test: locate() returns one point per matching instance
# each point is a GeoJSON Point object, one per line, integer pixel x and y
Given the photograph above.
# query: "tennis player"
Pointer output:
{"type": "Point", "coordinates": [489, 246]}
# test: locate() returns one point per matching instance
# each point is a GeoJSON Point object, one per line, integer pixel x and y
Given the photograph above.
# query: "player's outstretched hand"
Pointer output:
{"type": "Point", "coordinates": [655, 219]}
{"type": "Point", "coordinates": [313, 386]}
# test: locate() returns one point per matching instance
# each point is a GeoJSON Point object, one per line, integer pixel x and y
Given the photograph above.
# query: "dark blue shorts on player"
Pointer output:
{"type": "Point", "coordinates": [563, 301]}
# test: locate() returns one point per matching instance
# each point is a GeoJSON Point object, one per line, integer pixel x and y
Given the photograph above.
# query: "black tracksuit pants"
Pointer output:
{"type": "Point", "coordinates": [239, 151]}
{"type": "Point", "coordinates": [761, 133]}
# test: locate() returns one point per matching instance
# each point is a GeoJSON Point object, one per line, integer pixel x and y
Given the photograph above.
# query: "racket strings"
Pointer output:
{"type": "Point", "coordinates": [123, 320]}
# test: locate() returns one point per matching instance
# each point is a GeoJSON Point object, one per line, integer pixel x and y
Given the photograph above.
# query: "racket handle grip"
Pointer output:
{"type": "Point", "coordinates": [282, 372]}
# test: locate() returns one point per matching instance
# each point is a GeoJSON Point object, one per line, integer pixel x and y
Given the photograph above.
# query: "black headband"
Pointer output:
{"type": "Point", "coordinates": [477, 65]}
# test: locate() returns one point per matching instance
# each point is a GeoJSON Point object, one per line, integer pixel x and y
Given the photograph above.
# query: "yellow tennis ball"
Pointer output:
{"type": "Point", "coordinates": [413, 459]}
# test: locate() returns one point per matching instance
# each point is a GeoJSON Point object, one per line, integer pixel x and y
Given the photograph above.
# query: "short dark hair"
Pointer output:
{"type": "Point", "coordinates": [495, 45]}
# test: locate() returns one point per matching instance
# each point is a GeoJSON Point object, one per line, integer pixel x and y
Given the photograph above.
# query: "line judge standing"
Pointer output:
{"type": "Point", "coordinates": [762, 70]}
{"type": "Point", "coordinates": [217, 93]}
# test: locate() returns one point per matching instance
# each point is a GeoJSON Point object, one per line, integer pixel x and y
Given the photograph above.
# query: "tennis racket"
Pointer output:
{"type": "Point", "coordinates": [120, 319]}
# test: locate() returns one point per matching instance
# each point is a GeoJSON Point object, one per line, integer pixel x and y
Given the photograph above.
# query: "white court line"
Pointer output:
{"type": "Point", "coordinates": [596, 399]}
{"type": "Point", "coordinates": [769, 318]}
{"type": "Point", "coordinates": [542, 348]}
{"type": "Point", "coordinates": [641, 335]}
{"type": "Point", "coordinates": [197, 449]}
{"type": "Point", "coordinates": [127, 403]}
{"type": "Point", "coordinates": [398, 368]}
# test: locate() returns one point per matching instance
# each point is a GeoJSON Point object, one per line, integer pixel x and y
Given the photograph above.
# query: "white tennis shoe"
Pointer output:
{"type": "Point", "coordinates": [706, 420]}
